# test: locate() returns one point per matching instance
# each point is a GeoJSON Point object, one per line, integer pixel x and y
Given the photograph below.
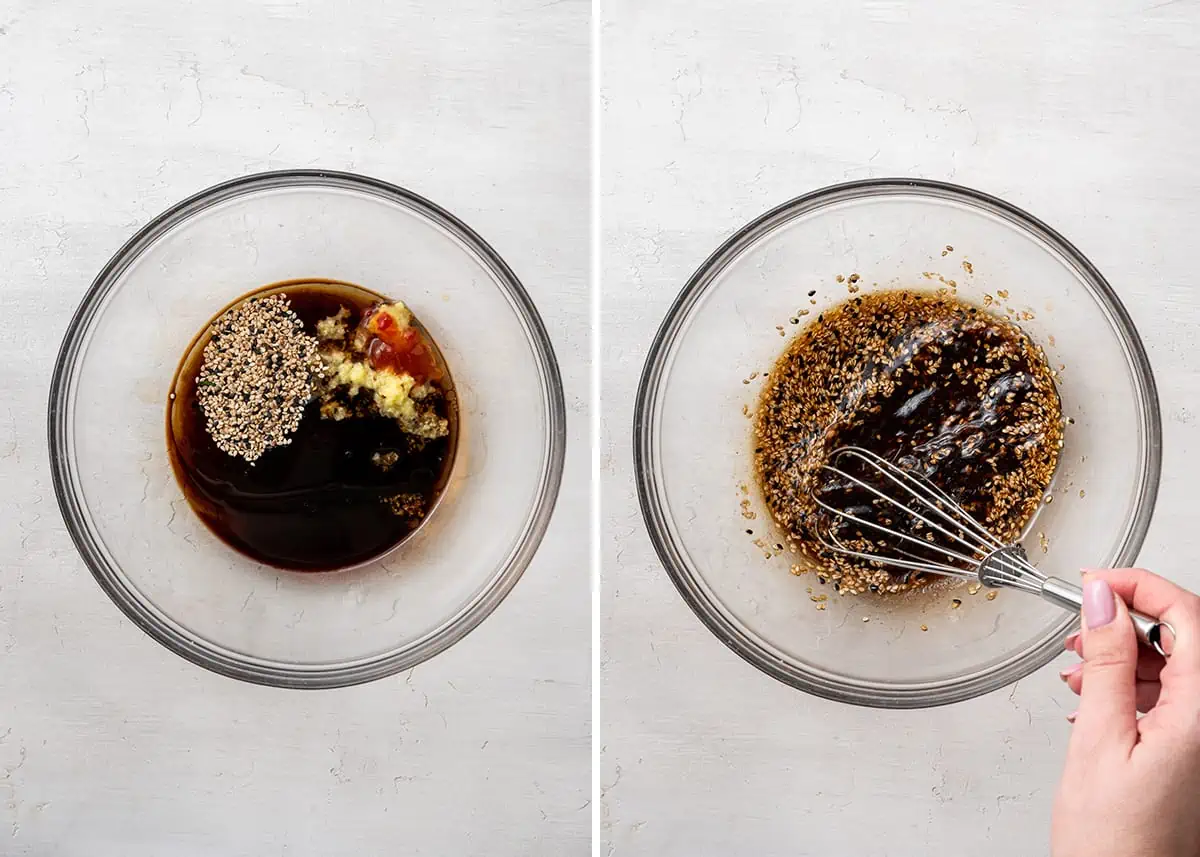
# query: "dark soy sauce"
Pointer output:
{"type": "Point", "coordinates": [322, 502]}
{"type": "Point", "coordinates": [939, 387]}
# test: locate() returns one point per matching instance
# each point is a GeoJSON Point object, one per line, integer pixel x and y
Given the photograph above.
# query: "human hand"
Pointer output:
{"type": "Point", "coordinates": [1131, 787]}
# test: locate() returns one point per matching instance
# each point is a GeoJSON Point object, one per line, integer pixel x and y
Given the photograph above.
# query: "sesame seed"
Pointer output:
{"type": "Point", "coordinates": [257, 377]}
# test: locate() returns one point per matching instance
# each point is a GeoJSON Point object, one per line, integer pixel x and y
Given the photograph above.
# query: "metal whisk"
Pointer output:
{"type": "Point", "coordinates": [962, 547]}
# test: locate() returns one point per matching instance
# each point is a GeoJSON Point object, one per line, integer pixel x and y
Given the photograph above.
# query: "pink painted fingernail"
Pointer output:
{"type": "Point", "coordinates": [1099, 608]}
{"type": "Point", "coordinates": [1066, 672]}
{"type": "Point", "coordinates": [1071, 717]}
{"type": "Point", "coordinates": [1069, 643]}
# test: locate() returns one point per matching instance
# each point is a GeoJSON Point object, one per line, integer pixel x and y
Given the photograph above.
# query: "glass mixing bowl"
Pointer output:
{"type": "Point", "coordinates": [693, 445]}
{"type": "Point", "coordinates": [129, 518]}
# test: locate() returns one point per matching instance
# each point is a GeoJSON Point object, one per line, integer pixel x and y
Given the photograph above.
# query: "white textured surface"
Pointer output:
{"type": "Point", "coordinates": [714, 112]}
{"type": "Point", "coordinates": [110, 745]}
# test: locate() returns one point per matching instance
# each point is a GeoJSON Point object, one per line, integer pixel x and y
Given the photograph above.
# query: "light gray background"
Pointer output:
{"type": "Point", "coordinates": [110, 745]}
{"type": "Point", "coordinates": [1085, 115]}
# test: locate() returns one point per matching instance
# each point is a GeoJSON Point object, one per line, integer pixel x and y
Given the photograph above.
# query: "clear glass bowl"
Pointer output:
{"type": "Point", "coordinates": [128, 516]}
{"type": "Point", "coordinates": [693, 446]}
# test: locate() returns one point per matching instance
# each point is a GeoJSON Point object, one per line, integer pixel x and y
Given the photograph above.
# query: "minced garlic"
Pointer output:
{"type": "Point", "coordinates": [396, 394]}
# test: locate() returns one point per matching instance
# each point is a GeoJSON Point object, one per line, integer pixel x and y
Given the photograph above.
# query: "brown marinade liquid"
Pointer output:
{"type": "Point", "coordinates": [321, 502]}
{"type": "Point", "coordinates": [941, 388]}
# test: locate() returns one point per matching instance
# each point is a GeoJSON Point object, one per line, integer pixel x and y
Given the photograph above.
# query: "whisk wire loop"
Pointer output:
{"type": "Point", "coordinates": [863, 522]}
{"type": "Point", "coordinates": [916, 563]}
{"type": "Point", "coordinates": [934, 509]}
{"type": "Point", "coordinates": [928, 495]}
{"type": "Point", "coordinates": [987, 559]}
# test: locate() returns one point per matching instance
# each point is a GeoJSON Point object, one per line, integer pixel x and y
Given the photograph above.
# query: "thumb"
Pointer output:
{"type": "Point", "coordinates": [1108, 699]}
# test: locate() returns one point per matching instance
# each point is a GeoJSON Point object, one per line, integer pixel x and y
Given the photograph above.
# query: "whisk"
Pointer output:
{"type": "Point", "coordinates": [962, 547]}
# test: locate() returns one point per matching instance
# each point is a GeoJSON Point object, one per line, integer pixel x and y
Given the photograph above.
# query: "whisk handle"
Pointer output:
{"type": "Point", "coordinates": [1070, 597]}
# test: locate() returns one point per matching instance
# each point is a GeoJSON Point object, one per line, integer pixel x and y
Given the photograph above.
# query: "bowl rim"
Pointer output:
{"type": "Point", "coordinates": [646, 412]}
{"type": "Point", "coordinates": [215, 657]}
